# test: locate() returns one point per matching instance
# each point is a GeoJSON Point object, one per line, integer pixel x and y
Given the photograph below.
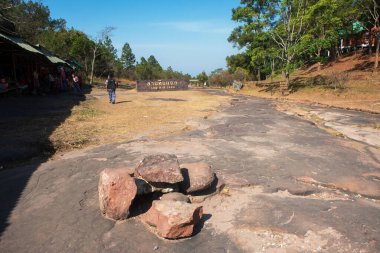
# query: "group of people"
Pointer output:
{"type": "Point", "coordinates": [43, 82]}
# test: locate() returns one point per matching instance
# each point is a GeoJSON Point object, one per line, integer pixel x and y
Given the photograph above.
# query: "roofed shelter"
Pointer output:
{"type": "Point", "coordinates": [18, 58]}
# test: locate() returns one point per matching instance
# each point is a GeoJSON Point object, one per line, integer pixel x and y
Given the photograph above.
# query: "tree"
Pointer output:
{"type": "Point", "coordinates": [127, 57]}
{"type": "Point", "coordinates": [155, 68]}
{"type": "Point", "coordinates": [241, 74]}
{"type": "Point", "coordinates": [221, 78]}
{"type": "Point", "coordinates": [372, 13]}
{"type": "Point", "coordinates": [81, 49]}
{"type": "Point", "coordinates": [216, 71]}
{"type": "Point", "coordinates": [289, 31]}
{"type": "Point", "coordinates": [241, 60]}
{"type": "Point", "coordinates": [30, 18]}
{"type": "Point", "coordinates": [107, 59]}
{"type": "Point", "coordinates": [326, 18]}
{"type": "Point", "coordinates": [96, 46]}
{"type": "Point", "coordinates": [202, 77]}
{"type": "Point", "coordinates": [255, 19]}
{"type": "Point", "coordinates": [142, 70]}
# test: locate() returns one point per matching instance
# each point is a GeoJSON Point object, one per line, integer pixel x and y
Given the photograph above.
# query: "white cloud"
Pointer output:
{"type": "Point", "coordinates": [206, 26]}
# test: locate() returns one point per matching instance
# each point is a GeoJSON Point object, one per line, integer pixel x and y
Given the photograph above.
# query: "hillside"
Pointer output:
{"type": "Point", "coordinates": [348, 82]}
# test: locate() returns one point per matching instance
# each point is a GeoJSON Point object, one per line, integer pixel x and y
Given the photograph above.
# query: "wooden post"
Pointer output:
{"type": "Point", "coordinates": [284, 88]}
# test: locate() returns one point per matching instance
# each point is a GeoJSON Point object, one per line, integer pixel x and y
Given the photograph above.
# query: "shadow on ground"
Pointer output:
{"type": "Point", "coordinates": [26, 125]}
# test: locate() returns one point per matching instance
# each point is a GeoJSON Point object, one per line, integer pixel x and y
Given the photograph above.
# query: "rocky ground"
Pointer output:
{"type": "Point", "coordinates": [298, 179]}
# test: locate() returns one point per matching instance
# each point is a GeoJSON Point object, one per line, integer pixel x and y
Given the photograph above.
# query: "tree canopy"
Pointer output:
{"type": "Point", "coordinates": [280, 35]}
{"type": "Point", "coordinates": [32, 21]}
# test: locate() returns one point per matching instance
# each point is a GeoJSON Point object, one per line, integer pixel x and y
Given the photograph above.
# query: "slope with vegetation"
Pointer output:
{"type": "Point", "coordinates": [348, 82]}
{"type": "Point", "coordinates": [279, 36]}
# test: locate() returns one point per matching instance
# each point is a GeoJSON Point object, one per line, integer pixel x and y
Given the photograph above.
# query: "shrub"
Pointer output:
{"type": "Point", "coordinates": [338, 80]}
{"type": "Point", "coordinates": [223, 79]}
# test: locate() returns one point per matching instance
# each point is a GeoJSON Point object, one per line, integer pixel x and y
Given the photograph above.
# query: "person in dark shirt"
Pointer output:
{"type": "Point", "coordinates": [111, 85]}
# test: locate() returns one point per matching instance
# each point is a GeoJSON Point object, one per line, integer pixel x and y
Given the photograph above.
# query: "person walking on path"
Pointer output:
{"type": "Point", "coordinates": [111, 85]}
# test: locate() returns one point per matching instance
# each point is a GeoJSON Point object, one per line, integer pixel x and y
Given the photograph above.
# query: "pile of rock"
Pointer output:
{"type": "Point", "coordinates": [171, 213]}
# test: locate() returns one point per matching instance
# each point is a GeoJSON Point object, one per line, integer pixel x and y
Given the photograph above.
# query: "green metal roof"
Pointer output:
{"type": "Point", "coordinates": [20, 43]}
{"type": "Point", "coordinates": [51, 57]}
{"type": "Point", "coordinates": [34, 49]}
{"type": "Point", "coordinates": [74, 64]}
{"type": "Point", "coordinates": [356, 27]}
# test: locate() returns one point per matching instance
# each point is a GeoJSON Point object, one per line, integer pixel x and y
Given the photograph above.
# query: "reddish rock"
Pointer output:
{"type": "Point", "coordinates": [197, 176]}
{"type": "Point", "coordinates": [358, 185]}
{"type": "Point", "coordinates": [160, 169]}
{"type": "Point", "coordinates": [173, 219]}
{"type": "Point", "coordinates": [175, 196]}
{"type": "Point", "coordinates": [117, 189]}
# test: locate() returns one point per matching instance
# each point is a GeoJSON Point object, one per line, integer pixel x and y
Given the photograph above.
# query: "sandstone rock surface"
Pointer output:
{"type": "Point", "coordinates": [197, 176]}
{"type": "Point", "coordinates": [176, 196]}
{"type": "Point", "coordinates": [163, 168]}
{"type": "Point", "coordinates": [117, 190]}
{"type": "Point", "coordinates": [173, 219]}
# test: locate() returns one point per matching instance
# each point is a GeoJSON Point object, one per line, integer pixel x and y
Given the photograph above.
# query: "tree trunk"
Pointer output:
{"type": "Point", "coordinates": [319, 58]}
{"type": "Point", "coordinates": [92, 67]}
{"type": "Point", "coordinates": [258, 74]}
{"type": "Point", "coordinates": [273, 67]}
{"type": "Point", "coordinates": [333, 51]}
{"type": "Point", "coordinates": [287, 79]}
{"type": "Point", "coordinates": [370, 43]}
{"type": "Point", "coordinates": [377, 50]}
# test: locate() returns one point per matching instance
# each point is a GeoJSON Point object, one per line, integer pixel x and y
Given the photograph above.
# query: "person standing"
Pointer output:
{"type": "Point", "coordinates": [111, 85]}
{"type": "Point", "coordinates": [77, 89]}
{"type": "Point", "coordinates": [64, 81]}
{"type": "Point", "coordinates": [36, 83]}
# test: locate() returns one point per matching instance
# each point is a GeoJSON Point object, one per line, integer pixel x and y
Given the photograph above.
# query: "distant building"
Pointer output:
{"type": "Point", "coordinates": [356, 37]}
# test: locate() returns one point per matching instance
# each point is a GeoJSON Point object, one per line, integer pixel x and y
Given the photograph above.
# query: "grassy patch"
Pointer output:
{"type": "Point", "coordinates": [135, 114]}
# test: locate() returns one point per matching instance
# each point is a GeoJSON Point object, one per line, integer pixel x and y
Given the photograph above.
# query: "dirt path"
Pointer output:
{"type": "Point", "coordinates": [290, 187]}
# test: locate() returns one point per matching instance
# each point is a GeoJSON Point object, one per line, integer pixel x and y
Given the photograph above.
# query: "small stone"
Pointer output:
{"type": "Point", "coordinates": [176, 196]}
{"type": "Point", "coordinates": [197, 176]}
{"type": "Point", "coordinates": [173, 219]}
{"type": "Point", "coordinates": [156, 247]}
{"type": "Point", "coordinates": [162, 168]}
{"type": "Point", "coordinates": [117, 190]}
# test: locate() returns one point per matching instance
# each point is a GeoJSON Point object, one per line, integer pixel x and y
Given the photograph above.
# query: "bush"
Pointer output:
{"type": "Point", "coordinates": [338, 80]}
{"type": "Point", "coordinates": [223, 79]}
{"type": "Point", "coordinates": [241, 74]}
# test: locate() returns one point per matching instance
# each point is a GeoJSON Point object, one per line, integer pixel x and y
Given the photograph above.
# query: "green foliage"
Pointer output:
{"type": "Point", "coordinates": [239, 60]}
{"type": "Point", "coordinates": [98, 56]}
{"type": "Point", "coordinates": [148, 69]}
{"type": "Point", "coordinates": [280, 35]}
{"type": "Point", "coordinates": [202, 77]}
{"type": "Point", "coordinates": [151, 69]}
{"type": "Point", "coordinates": [31, 18]}
{"type": "Point", "coordinates": [241, 74]}
{"type": "Point", "coordinates": [127, 57]}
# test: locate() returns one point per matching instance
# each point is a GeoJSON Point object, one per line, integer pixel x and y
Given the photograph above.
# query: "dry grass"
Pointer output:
{"type": "Point", "coordinates": [95, 122]}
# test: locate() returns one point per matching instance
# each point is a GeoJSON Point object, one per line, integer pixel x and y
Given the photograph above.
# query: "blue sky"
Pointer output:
{"type": "Point", "coordinates": [189, 35]}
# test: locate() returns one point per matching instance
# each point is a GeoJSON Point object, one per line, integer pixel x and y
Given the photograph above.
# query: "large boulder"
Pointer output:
{"type": "Point", "coordinates": [173, 219]}
{"type": "Point", "coordinates": [197, 176]}
{"type": "Point", "coordinates": [160, 169]}
{"type": "Point", "coordinates": [117, 190]}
